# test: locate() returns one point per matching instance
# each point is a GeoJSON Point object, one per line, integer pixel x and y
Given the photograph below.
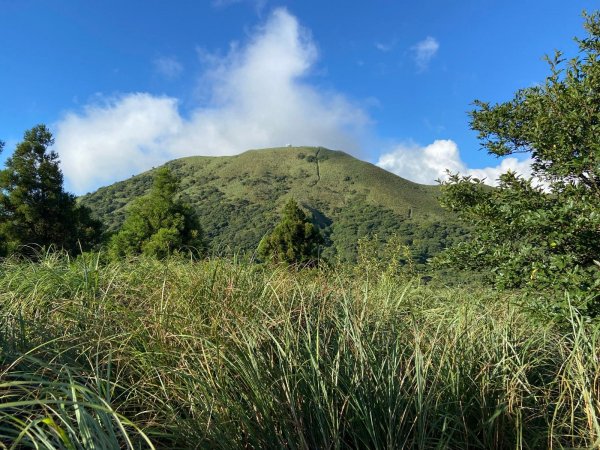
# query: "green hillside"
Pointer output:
{"type": "Point", "coordinates": [238, 199]}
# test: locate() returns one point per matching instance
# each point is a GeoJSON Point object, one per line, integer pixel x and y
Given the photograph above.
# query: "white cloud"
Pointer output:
{"type": "Point", "coordinates": [426, 164]}
{"type": "Point", "coordinates": [116, 139]}
{"type": "Point", "coordinates": [168, 66]}
{"type": "Point", "coordinates": [424, 51]}
{"type": "Point", "coordinates": [258, 97]}
{"type": "Point", "coordinates": [492, 173]}
{"type": "Point", "coordinates": [259, 5]}
{"type": "Point", "coordinates": [385, 46]}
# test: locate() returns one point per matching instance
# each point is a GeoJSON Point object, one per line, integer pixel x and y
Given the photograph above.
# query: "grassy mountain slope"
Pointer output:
{"type": "Point", "coordinates": [238, 199]}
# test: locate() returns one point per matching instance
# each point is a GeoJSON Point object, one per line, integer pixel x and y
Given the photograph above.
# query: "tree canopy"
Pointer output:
{"type": "Point", "coordinates": [294, 240]}
{"type": "Point", "coordinates": [158, 224]}
{"type": "Point", "coordinates": [545, 231]}
{"type": "Point", "coordinates": [34, 208]}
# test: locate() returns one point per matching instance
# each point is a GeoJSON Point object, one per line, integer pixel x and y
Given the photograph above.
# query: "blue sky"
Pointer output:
{"type": "Point", "coordinates": [127, 85]}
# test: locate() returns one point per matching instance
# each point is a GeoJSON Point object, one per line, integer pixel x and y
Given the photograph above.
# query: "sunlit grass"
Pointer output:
{"type": "Point", "coordinates": [220, 354]}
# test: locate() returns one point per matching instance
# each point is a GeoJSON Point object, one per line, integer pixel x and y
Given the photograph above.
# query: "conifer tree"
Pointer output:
{"type": "Point", "coordinates": [294, 240]}
{"type": "Point", "coordinates": [34, 208]}
{"type": "Point", "coordinates": [158, 224]}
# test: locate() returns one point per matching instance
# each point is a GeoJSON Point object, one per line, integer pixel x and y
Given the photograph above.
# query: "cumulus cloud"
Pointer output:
{"type": "Point", "coordinates": [424, 51]}
{"type": "Point", "coordinates": [429, 163]}
{"type": "Point", "coordinates": [168, 66]}
{"type": "Point", "coordinates": [258, 96]}
{"type": "Point", "coordinates": [116, 138]}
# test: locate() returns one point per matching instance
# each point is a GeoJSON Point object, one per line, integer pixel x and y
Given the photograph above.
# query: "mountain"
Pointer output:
{"type": "Point", "coordinates": [238, 199]}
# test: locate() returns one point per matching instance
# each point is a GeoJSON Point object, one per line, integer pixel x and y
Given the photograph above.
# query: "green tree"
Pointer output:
{"type": "Point", "coordinates": [294, 240]}
{"type": "Point", "coordinates": [34, 208]}
{"type": "Point", "coordinates": [541, 232]}
{"type": "Point", "coordinates": [158, 224]}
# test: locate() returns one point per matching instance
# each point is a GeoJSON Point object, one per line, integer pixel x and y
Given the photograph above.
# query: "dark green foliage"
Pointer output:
{"type": "Point", "coordinates": [532, 236]}
{"type": "Point", "coordinates": [34, 208]}
{"type": "Point", "coordinates": [426, 238]}
{"type": "Point", "coordinates": [158, 224]}
{"type": "Point", "coordinates": [294, 240]}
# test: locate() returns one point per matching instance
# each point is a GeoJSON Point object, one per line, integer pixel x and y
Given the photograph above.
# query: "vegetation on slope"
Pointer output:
{"type": "Point", "coordinates": [293, 241]}
{"type": "Point", "coordinates": [219, 354]}
{"type": "Point", "coordinates": [238, 199]}
{"type": "Point", "coordinates": [158, 225]}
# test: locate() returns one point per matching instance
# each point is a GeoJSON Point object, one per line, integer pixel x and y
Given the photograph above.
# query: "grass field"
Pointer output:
{"type": "Point", "coordinates": [225, 354]}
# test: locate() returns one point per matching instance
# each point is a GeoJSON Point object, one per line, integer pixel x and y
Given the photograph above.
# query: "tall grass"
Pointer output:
{"type": "Point", "coordinates": [222, 354]}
